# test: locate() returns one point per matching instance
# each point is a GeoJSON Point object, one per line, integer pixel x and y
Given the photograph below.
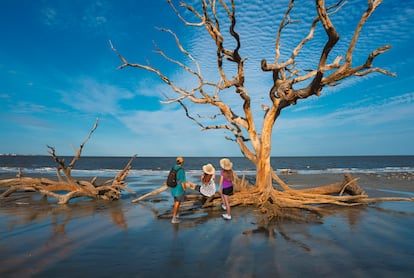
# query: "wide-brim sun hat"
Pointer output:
{"type": "Point", "coordinates": [226, 164]}
{"type": "Point", "coordinates": [209, 169]}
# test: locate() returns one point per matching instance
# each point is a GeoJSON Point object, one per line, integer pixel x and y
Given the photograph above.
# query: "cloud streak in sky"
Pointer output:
{"type": "Point", "coordinates": [93, 97]}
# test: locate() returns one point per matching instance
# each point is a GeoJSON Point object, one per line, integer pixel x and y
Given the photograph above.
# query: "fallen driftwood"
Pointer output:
{"type": "Point", "coordinates": [194, 203]}
{"type": "Point", "coordinates": [152, 193]}
{"type": "Point", "coordinates": [67, 187]}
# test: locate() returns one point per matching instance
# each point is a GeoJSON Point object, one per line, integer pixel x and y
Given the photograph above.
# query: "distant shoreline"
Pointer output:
{"type": "Point", "coordinates": [206, 156]}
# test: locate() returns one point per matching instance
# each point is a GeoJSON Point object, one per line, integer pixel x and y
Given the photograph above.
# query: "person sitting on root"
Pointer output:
{"type": "Point", "coordinates": [208, 185]}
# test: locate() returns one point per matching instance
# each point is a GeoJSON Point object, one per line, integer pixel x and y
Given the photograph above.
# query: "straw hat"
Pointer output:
{"type": "Point", "coordinates": [209, 169]}
{"type": "Point", "coordinates": [179, 160]}
{"type": "Point", "coordinates": [226, 164]}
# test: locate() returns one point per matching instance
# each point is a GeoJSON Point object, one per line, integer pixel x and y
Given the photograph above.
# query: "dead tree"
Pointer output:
{"type": "Point", "coordinates": [290, 85]}
{"type": "Point", "coordinates": [67, 187]}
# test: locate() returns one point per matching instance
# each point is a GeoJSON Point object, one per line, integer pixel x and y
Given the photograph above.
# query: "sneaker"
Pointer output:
{"type": "Point", "coordinates": [175, 220]}
{"type": "Point", "coordinates": [223, 207]}
{"type": "Point", "coordinates": [226, 216]}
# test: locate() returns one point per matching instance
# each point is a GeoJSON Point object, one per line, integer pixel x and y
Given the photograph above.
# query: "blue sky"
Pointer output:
{"type": "Point", "coordinates": [58, 74]}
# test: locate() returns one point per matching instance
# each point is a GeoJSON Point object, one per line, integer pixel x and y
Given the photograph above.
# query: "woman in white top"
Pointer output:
{"type": "Point", "coordinates": [208, 185]}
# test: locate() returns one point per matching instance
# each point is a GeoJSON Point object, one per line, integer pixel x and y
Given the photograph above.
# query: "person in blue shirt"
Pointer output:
{"type": "Point", "coordinates": [178, 192]}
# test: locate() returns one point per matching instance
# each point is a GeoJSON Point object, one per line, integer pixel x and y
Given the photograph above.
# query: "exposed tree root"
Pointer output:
{"type": "Point", "coordinates": [302, 205]}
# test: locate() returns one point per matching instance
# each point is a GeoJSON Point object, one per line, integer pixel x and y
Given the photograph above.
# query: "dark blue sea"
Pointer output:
{"type": "Point", "coordinates": [107, 166]}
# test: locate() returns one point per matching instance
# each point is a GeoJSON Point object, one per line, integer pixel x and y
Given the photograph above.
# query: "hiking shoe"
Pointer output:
{"type": "Point", "coordinates": [175, 220]}
{"type": "Point", "coordinates": [223, 207]}
{"type": "Point", "coordinates": [226, 216]}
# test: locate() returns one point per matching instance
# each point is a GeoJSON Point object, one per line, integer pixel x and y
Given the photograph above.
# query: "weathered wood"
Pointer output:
{"type": "Point", "coordinates": [152, 193]}
{"type": "Point", "coordinates": [349, 186]}
{"type": "Point", "coordinates": [67, 187]}
{"type": "Point", "coordinates": [284, 203]}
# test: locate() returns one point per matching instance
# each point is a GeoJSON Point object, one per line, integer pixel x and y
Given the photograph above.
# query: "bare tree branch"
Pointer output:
{"type": "Point", "coordinates": [290, 84]}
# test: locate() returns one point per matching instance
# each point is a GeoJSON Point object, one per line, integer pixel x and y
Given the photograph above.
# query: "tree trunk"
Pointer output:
{"type": "Point", "coordinates": [264, 172]}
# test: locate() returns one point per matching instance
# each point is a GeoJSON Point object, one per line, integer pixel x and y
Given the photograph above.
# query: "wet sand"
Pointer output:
{"type": "Point", "coordinates": [105, 239]}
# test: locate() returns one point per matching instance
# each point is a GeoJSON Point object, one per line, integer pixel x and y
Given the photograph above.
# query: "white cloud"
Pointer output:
{"type": "Point", "coordinates": [49, 16]}
{"type": "Point", "coordinates": [71, 14]}
{"type": "Point", "coordinates": [170, 133]}
{"type": "Point", "coordinates": [93, 97]}
{"type": "Point", "coordinates": [383, 112]}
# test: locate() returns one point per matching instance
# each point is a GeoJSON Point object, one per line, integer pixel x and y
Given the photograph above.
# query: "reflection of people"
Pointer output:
{"type": "Point", "coordinates": [226, 185]}
{"type": "Point", "coordinates": [178, 191]}
{"type": "Point", "coordinates": [208, 185]}
{"type": "Point", "coordinates": [118, 218]}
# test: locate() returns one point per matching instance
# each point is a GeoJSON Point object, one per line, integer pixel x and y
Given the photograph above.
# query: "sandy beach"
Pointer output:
{"type": "Point", "coordinates": [125, 239]}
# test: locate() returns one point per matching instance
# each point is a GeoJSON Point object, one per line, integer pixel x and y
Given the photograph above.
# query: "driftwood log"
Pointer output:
{"type": "Point", "coordinates": [66, 187]}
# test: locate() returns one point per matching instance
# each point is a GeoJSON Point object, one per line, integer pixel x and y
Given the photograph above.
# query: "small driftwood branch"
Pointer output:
{"type": "Point", "coordinates": [163, 188]}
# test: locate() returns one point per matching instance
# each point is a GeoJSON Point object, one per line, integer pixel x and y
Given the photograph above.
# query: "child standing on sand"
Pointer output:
{"type": "Point", "coordinates": [226, 185]}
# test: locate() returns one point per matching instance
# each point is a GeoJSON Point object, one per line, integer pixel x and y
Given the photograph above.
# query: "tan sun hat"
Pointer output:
{"type": "Point", "coordinates": [179, 160]}
{"type": "Point", "coordinates": [209, 169]}
{"type": "Point", "coordinates": [226, 164]}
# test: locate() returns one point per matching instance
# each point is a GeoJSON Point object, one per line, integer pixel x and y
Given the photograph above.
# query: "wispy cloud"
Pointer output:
{"type": "Point", "coordinates": [161, 123]}
{"type": "Point", "coordinates": [379, 112]}
{"type": "Point", "coordinates": [91, 96]}
{"type": "Point", "coordinates": [258, 37]}
{"type": "Point", "coordinates": [49, 16]}
{"type": "Point", "coordinates": [70, 14]}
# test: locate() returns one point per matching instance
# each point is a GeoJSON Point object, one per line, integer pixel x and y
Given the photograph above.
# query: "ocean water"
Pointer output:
{"type": "Point", "coordinates": [108, 166]}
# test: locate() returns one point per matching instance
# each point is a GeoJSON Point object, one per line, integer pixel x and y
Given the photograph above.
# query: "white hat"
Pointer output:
{"type": "Point", "coordinates": [209, 169]}
{"type": "Point", "coordinates": [226, 164]}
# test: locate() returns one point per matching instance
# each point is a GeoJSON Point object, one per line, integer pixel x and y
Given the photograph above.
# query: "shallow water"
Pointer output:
{"type": "Point", "coordinates": [125, 239]}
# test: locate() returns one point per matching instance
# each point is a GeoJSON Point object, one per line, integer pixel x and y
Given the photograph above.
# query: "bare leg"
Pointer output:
{"type": "Point", "coordinates": [222, 198]}
{"type": "Point", "coordinates": [176, 207]}
{"type": "Point", "coordinates": [226, 203]}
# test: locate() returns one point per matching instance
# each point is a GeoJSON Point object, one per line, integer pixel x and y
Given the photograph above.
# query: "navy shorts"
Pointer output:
{"type": "Point", "coordinates": [228, 190]}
